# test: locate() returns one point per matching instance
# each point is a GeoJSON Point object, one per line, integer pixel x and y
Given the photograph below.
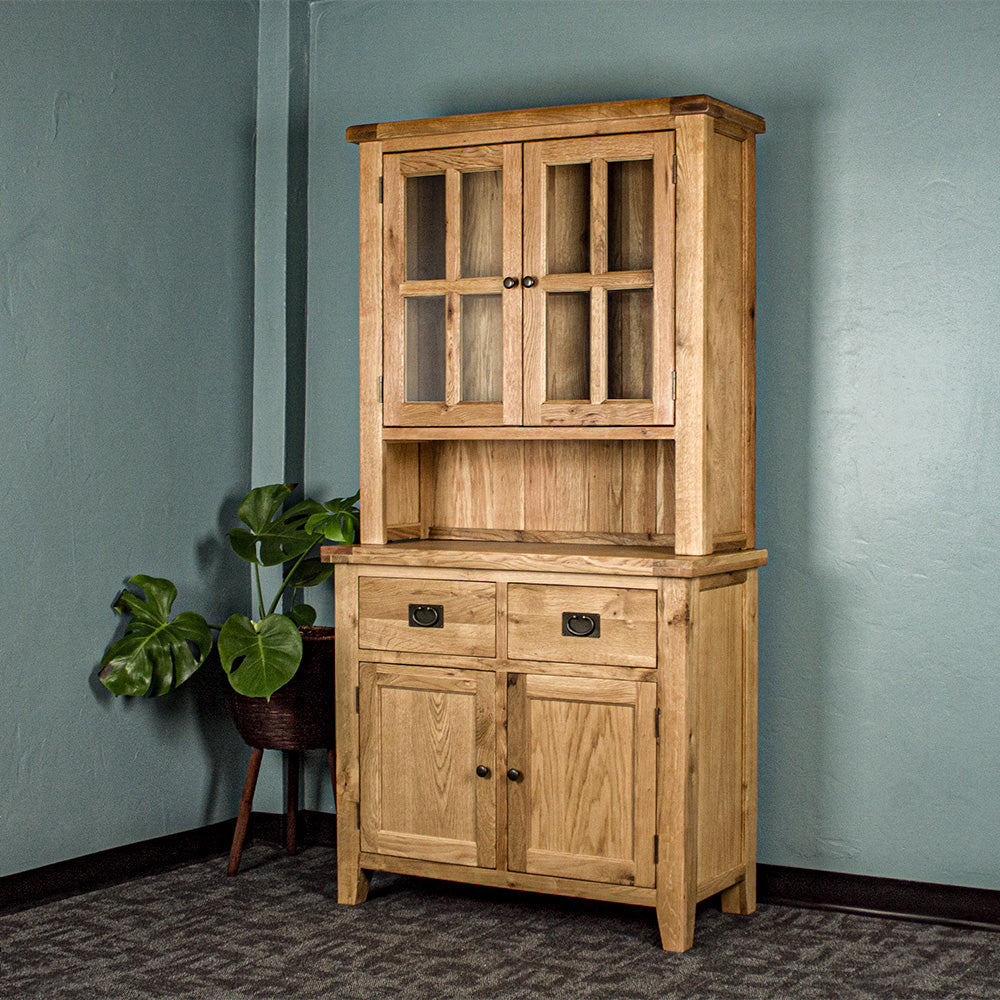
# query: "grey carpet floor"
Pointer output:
{"type": "Point", "coordinates": [275, 932]}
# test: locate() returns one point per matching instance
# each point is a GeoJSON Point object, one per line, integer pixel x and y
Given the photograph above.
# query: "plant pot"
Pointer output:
{"type": "Point", "coordinates": [299, 715]}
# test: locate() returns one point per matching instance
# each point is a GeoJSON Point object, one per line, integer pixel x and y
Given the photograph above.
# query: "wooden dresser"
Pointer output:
{"type": "Point", "coordinates": [546, 640]}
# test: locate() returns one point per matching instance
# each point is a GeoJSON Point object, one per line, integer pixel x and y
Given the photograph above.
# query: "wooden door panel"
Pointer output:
{"type": "Point", "coordinates": [423, 733]}
{"type": "Point", "coordinates": [583, 806]}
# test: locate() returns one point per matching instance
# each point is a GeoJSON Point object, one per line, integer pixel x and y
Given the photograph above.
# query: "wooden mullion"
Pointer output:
{"type": "Point", "coordinates": [452, 273]}
{"type": "Point", "coordinates": [598, 346]}
{"type": "Point", "coordinates": [513, 307]}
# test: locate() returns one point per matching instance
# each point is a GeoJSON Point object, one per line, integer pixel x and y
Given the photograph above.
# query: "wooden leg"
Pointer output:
{"type": "Point", "coordinates": [742, 897]}
{"type": "Point", "coordinates": [292, 799]}
{"type": "Point", "coordinates": [253, 769]}
{"type": "Point", "coordinates": [352, 879]}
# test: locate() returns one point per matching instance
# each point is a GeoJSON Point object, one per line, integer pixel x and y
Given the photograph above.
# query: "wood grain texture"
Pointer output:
{"type": "Point", "coordinates": [424, 731]}
{"type": "Point", "coordinates": [630, 112]}
{"type": "Point", "coordinates": [581, 809]}
{"type": "Point", "coordinates": [627, 624]}
{"type": "Point", "coordinates": [469, 616]}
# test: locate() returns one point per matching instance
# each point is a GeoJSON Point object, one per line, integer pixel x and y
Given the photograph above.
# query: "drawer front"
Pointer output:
{"type": "Point", "coordinates": [427, 616]}
{"type": "Point", "coordinates": [581, 625]}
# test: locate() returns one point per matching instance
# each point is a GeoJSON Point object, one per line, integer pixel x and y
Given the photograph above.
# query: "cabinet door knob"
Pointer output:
{"type": "Point", "coordinates": [510, 282]}
{"type": "Point", "coordinates": [529, 281]}
{"type": "Point", "coordinates": [514, 774]}
{"type": "Point", "coordinates": [483, 771]}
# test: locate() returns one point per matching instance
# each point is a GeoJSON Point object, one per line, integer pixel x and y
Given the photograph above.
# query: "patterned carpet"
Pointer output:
{"type": "Point", "coordinates": [275, 933]}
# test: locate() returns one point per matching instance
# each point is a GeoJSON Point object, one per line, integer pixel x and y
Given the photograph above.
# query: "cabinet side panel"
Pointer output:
{"type": "Point", "coordinates": [720, 681]}
{"type": "Point", "coordinates": [370, 344]}
{"type": "Point", "coordinates": [725, 349]}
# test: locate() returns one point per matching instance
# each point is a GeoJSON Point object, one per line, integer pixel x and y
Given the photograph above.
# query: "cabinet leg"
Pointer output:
{"type": "Point", "coordinates": [239, 834]}
{"type": "Point", "coordinates": [676, 925]}
{"type": "Point", "coordinates": [742, 897]}
{"type": "Point", "coordinates": [352, 879]}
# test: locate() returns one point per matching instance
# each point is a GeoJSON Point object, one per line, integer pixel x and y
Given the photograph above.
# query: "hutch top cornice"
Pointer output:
{"type": "Point", "coordinates": [642, 114]}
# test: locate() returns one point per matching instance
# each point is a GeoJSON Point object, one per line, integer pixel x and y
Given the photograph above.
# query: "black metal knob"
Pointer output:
{"type": "Point", "coordinates": [514, 774]}
{"type": "Point", "coordinates": [483, 771]}
{"type": "Point", "coordinates": [529, 282]}
{"type": "Point", "coordinates": [510, 282]}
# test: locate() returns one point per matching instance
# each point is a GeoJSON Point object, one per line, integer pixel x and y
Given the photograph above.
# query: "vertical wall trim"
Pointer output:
{"type": "Point", "coordinates": [270, 246]}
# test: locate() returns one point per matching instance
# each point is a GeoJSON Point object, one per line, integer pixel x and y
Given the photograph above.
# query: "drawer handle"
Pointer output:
{"type": "Point", "coordinates": [426, 616]}
{"type": "Point", "coordinates": [581, 626]}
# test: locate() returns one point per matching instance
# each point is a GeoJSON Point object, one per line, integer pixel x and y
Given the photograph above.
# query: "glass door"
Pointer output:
{"type": "Point", "coordinates": [599, 297]}
{"type": "Point", "coordinates": [452, 301]}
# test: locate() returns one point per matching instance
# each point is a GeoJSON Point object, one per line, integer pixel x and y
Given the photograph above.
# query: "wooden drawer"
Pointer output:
{"type": "Point", "coordinates": [427, 616]}
{"type": "Point", "coordinates": [605, 625]}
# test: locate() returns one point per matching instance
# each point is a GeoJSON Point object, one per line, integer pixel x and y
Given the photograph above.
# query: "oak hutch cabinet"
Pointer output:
{"type": "Point", "coordinates": [546, 638]}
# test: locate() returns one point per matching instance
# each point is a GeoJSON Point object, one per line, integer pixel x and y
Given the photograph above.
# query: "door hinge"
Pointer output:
{"type": "Point", "coordinates": [673, 385]}
{"type": "Point", "coordinates": [673, 170]}
{"type": "Point", "coordinates": [656, 723]}
{"type": "Point", "coordinates": [357, 699]}
{"type": "Point", "coordinates": [381, 183]}
{"type": "Point", "coordinates": [357, 814]}
{"type": "Point", "coordinates": [656, 848]}
{"type": "Point", "coordinates": [381, 391]}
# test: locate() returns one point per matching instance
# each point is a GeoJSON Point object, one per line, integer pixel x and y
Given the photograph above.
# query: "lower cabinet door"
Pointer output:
{"type": "Point", "coordinates": [581, 779]}
{"type": "Point", "coordinates": [428, 761]}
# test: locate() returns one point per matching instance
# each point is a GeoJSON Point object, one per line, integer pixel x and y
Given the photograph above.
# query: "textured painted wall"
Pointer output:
{"type": "Point", "coordinates": [878, 435]}
{"type": "Point", "coordinates": [126, 213]}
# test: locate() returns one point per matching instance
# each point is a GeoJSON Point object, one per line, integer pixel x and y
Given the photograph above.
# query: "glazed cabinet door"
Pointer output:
{"type": "Point", "coordinates": [581, 785]}
{"type": "Point", "coordinates": [428, 753]}
{"type": "Point", "coordinates": [598, 280]}
{"type": "Point", "coordinates": [452, 298]}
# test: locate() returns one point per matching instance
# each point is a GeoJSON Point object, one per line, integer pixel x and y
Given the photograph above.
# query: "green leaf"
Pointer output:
{"type": "Point", "coordinates": [337, 521]}
{"type": "Point", "coordinates": [303, 615]}
{"type": "Point", "coordinates": [156, 653]}
{"type": "Point", "coordinates": [309, 573]}
{"type": "Point", "coordinates": [261, 656]}
{"type": "Point", "coordinates": [274, 536]}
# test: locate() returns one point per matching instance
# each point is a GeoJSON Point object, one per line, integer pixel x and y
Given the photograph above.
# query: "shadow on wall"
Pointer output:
{"type": "Point", "coordinates": [225, 588]}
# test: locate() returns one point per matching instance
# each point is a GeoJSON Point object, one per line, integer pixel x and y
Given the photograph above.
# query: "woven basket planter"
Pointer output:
{"type": "Point", "coordinates": [299, 715]}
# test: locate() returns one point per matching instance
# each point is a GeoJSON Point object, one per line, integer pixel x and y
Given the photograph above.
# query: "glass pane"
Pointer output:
{"type": "Point", "coordinates": [568, 222]}
{"type": "Point", "coordinates": [482, 348]}
{"type": "Point", "coordinates": [425, 227]}
{"type": "Point", "coordinates": [567, 345]}
{"type": "Point", "coordinates": [482, 224]}
{"type": "Point", "coordinates": [425, 349]}
{"type": "Point", "coordinates": [630, 215]}
{"type": "Point", "coordinates": [630, 344]}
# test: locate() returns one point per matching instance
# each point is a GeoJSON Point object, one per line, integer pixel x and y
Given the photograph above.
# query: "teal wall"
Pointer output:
{"type": "Point", "coordinates": [138, 403]}
{"type": "Point", "coordinates": [878, 352]}
{"type": "Point", "coordinates": [126, 348]}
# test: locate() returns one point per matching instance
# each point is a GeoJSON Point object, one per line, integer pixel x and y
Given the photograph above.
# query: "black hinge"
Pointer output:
{"type": "Point", "coordinates": [656, 848]}
{"type": "Point", "coordinates": [357, 815]}
{"type": "Point", "coordinates": [674, 170]}
{"type": "Point", "coordinates": [656, 723]}
{"type": "Point", "coordinates": [357, 699]}
{"type": "Point", "coordinates": [381, 185]}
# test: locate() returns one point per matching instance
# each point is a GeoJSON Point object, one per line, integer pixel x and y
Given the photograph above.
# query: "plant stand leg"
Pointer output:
{"type": "Point", "coordinates": [292, 798]}
{"type": "Point", "coordinates": [239, 834]}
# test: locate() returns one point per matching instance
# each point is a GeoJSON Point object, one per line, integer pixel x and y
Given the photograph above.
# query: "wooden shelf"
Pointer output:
{"type": "Point", "coordinates": [522, 433]}
{"type": "Point", "coordinates": [528, 557]}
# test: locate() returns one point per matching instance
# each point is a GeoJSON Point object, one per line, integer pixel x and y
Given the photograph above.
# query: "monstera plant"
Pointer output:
{"type": "Point", "coordinates": [260, 655]}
